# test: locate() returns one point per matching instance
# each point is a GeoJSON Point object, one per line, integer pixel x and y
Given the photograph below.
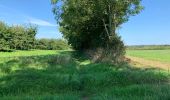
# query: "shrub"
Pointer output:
{"type": "Point", "coordinates": [16, 37]}
{"type": "Point", "coordinates": [51, 44]}
{"type": "Point", "coordinates": [114, 53]}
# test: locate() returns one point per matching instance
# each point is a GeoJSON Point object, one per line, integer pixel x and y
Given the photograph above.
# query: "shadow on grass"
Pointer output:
{"type": "Point", "coordinates": [62, 74]}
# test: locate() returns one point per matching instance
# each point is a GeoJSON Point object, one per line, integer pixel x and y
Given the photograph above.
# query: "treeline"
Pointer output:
{"type": "Point", "coordinates": [51, 44]}
{"type": "Point", "coordinates": [16, 37]}
{"type": "Point", "coordinates": [23, 38]}
{"type": "Point", "coordinates": [148, 47]}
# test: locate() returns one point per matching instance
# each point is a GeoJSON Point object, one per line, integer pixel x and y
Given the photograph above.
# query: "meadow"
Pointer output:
{"type": "Point", "coordinates": [22, 53]}
{"type": "Point", "coordinates": [156, 55]}
{"type": "Point", "coordinates": [70, 75]}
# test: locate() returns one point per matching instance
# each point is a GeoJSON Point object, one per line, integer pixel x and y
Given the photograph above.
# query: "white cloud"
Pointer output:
{"type": "Point", "coordinates": [40, 22]}
{"type": "Point", "coordinates": [20, 18]}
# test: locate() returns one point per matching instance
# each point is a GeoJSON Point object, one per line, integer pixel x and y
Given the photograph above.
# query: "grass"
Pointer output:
{"type": "Point", "coordinates": [69, 75]}
{"type": "Point", "coordinates": [28, 53]}
{"type": "Point", "coordinates": [157, 55]}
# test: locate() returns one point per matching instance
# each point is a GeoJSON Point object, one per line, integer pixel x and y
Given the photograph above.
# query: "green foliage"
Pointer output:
{"type": "Point", "coordinates": [51, 44]}
{"type": "Point", "coordinates": [51, 77]}
{"type": "Point", "coordinates": [17, 37]}
{"type": "Point", "coordinates": [4, 36]}
{"type": "Point", "coordinates": [89, 24]}
{"type": "Point", "coordinates": [23, 38]}
{"type": "Point", "coordinates": [113, 53]}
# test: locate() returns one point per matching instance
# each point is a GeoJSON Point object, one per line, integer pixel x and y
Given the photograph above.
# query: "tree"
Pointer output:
{"type": "Point", "coordinates": [22, 38]}
{"type": "Point", "coordinates": [31, 32]}
{"type": "Point", "coordinates": [17, 37]}
{"type": "Point", "coordinates": [89, 24]}
{"type": "Point", "coordinates": [4, 36]}
{"type": "Point", "coordinates": [51, 44]}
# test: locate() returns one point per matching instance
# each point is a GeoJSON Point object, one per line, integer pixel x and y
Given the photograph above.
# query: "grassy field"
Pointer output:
{"type": "Point", "coordinates": [157, 55]}
{"type": "Point", "coordinates": [70, 75]}
{"type": "Point", "coordinates": [28, 53]}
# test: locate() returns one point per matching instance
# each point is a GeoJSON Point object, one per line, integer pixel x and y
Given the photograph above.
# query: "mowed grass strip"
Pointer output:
{"type": "Point", "coordinates": [156, 55]}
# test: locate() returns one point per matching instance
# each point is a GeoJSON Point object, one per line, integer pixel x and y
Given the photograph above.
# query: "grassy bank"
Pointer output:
{"type": "Point", "coordinates": [69, 75]}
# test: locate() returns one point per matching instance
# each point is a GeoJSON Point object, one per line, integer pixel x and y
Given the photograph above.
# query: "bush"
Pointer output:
{"type": "Point", "coordinates": [4, 34]}
{"type": "Point", "coordinates": [114, 53]}
{"type": "Point", "coordinates": [23, 38]}
{"type": "Point", "coordinates": [16, 37]}
{"type": "Point", "coordinates": [51, 44]}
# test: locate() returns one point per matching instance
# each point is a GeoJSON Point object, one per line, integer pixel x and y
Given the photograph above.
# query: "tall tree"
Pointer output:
{"type": "Point", "coordinates": [4, 36]}
{"type": "Point", "coordinates": [17, 37]}
{"type": "Point", "coordinates": [93, 23]}
{"type": "Point", "coordinates": [23, 38]}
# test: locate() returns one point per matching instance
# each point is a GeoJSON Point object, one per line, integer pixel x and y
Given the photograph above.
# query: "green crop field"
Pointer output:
{"type": "Point", "coordinates": [70, 75]}
{"type": "Point", "coordinates": [157, 55]}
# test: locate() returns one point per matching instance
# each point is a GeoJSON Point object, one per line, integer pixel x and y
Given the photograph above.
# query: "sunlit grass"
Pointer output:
{"type": "Point", "coordinates": [157, 55]}
{"type": "Point", "coordinates": [29, 53]}
{"type": "Point", "coordinates": [68, 75]}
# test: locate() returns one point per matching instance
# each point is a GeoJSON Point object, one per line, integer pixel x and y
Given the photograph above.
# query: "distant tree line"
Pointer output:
{"type": "Point", "coordinates": [23, 38]}
{"type": "Point", "coordinates": [17, 37]}
{"type": "Point", "coordinates": [51, 44]}
{"type": "Point", "coordinates": [148, 47]}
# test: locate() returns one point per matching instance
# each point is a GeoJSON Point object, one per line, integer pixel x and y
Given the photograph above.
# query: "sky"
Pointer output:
{"type": "Point", "coordinates": [150, 27]}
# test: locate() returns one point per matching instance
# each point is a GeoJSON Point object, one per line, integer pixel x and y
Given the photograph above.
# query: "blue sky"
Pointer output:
{"type": "Point", "coordinates": [151, 26]}
{"type": "Point", "coordinates": [37, 12]}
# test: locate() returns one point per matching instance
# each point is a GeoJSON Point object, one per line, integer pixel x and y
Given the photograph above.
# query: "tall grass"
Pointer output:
{"type": "Point", "coordinates": [71, 76]}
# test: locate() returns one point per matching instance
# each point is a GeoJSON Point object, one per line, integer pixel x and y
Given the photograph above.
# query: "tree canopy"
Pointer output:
{"type": "Point", "coordinates": [90, 24]}
{"type": "Point", "coordinates": [17, 37]}
{"type": "Point", "coordinates": [24, 38]}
